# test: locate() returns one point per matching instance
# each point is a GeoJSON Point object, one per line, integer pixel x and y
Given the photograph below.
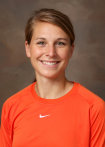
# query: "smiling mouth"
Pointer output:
{"type": "Point", "coordinates": [49, 62]}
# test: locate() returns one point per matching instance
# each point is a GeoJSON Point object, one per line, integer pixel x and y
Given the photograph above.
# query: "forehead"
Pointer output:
{"type": "Point", "coordinates": [48, 29]}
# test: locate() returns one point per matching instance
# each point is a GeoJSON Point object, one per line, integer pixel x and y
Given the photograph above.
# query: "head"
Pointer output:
{"type": "Point", "coordinates": [50, 16]}
{"type": "Point", "coordinates": [49, 57]}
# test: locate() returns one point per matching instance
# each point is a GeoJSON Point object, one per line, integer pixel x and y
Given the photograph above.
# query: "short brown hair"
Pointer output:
{"type": "Point", "coordinates": [51, 16]}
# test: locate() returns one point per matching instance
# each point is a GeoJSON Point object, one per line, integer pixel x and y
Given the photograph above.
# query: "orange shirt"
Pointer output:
{"type": "Point", "coordinates": [76, 119]}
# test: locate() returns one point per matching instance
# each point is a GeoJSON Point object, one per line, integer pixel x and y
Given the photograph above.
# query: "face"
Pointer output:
{"type": "Point", "coordinates": [49, 50]}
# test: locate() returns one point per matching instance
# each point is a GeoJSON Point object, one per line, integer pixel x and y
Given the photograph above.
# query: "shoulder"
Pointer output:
{"type": "Point", "coordinates": [17, 104]}
{"type": "Point", "coordinates": [88, 95]}
{"type": "Point", "coordinates": [96, 113]}
{"type": "Point", "coordinates": [94, 102]}
{"type": "Point", "coordinates": [21, 96]}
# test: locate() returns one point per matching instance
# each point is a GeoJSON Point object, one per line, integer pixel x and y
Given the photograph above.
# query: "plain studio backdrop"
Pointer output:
{"type": "Point", "coordinates": [87, 65]}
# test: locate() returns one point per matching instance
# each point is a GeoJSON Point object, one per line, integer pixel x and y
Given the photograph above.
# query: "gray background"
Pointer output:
{"type": "Point", "coordinates": [87, 65]}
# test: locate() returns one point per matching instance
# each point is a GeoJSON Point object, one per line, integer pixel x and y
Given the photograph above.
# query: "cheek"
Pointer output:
{"type": "Point", "coordinates": [65, 54]}
{"type": "Point", "coordinates": [35, 52]}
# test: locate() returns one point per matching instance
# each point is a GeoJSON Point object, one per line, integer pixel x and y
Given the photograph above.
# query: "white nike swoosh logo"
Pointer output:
{"type": "Point", "coordinates": [42, 116]}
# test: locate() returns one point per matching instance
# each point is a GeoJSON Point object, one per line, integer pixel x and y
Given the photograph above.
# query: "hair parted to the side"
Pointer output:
{"type": "Point", "coordinates": [51, 16]}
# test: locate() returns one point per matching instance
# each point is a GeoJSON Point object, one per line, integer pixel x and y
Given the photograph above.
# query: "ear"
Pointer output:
{"type": "Point", "coordinates": [27, 48]}
{"type": "Point", "coordinates": [72, 50]}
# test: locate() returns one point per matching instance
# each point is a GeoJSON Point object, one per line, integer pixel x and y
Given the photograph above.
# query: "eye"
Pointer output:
{"type": "Point", "coordinates": [60, 43]}
{"type": "Point", "coordinates": [41, 43]}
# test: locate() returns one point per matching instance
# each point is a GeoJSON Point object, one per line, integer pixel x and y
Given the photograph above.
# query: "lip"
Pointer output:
{"type": "Point", "coordinates": [51, 64]}
{"type": "Point", "coordinates": [49, 61]}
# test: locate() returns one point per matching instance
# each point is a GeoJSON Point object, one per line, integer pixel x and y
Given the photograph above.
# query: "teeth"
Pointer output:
{"type": "Point", "coordinates": [49, 63]}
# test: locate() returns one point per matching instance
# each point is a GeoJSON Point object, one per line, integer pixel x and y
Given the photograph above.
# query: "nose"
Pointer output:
{"type": "Point", "coordinates": [51, 51]}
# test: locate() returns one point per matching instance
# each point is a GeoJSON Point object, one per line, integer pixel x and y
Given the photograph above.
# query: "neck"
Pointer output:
{"type": "Point", "coordinates": [52, 88]}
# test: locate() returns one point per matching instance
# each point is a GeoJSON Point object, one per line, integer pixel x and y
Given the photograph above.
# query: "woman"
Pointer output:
{"type": "Point", "coordinates": [52, 112]}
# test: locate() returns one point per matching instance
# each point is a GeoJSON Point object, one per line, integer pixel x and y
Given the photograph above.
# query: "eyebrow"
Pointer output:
{"type": "Point", "coordinates": [40, 38]}
{"type": "Point", "coordinates": [63, 39]}
{"type": "Point", "coordinates": [57, 38]}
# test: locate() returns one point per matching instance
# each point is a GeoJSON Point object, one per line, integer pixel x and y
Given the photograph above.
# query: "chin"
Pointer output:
{"type": "Point", "coordinates": [49, 75]}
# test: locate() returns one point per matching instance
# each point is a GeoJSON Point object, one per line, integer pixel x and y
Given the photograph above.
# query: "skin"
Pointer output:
{"type": "Point", "coordinates": [49, 52]}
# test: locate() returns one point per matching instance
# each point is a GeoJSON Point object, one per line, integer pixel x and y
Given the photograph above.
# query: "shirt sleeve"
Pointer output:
{"type": "Point", "coordinates": [5, 129]}
{"type": "Point", "coordinates": [97, 119]}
